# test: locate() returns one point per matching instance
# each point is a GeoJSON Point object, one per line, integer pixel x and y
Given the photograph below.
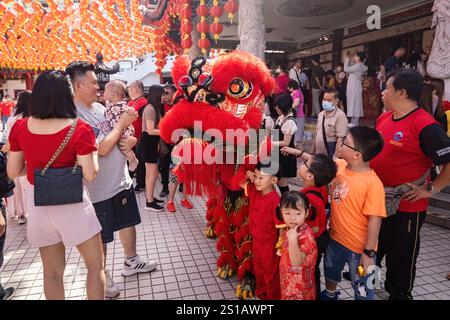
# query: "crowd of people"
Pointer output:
{"type": "Point", "coordinates": [364, 194]}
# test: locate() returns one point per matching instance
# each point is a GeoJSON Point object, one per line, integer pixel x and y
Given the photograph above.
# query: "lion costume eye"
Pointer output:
{"type": "Point", "coordinates": [240, 89]}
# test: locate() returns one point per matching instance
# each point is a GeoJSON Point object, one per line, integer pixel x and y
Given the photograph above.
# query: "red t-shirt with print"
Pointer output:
{"type": "Point", "coordinates": [39, 148]}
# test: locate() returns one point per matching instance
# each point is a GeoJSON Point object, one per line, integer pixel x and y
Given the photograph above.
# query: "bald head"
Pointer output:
{"type": "Point", "coordinates": [136, 89]}
{"type": "Point", "coordinates": [115, 91]}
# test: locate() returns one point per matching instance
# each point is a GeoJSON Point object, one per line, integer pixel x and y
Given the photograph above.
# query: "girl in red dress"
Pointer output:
{"type": "Point", "coordinates": [298, 250]}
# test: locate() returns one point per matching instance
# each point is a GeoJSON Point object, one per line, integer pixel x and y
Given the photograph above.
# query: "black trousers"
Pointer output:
{"type": "Point", "coordinates": [163, 166]}
{"type": "Point", "coordinates": [399, 241]}
{"type": "Point", "coordinates": [140, 171]}
{"type": "Point", "coordinates": [2, 245]}
{"type": "Point", "coordinates": [322, 243]}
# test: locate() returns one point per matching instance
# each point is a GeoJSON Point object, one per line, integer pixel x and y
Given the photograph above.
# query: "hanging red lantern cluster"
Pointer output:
{"type": "Point", "coordinates": [231, 7]}
{"type": "Point", "coordinates": [216, 27]}
{"type": "Point", "coordinates": [186, 25]}
{"type": "Point", "coordinates": [203, 27]}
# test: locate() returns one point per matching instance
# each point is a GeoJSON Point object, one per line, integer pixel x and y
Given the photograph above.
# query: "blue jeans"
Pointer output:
{"type": "Point", "coordinates": [4, 120]}
{"type": "Point", "coordinates": [336, 256]}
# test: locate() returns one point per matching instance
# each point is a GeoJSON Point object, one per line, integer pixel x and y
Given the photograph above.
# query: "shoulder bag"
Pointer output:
{"type": "Point", "coordinates": [54, 187]}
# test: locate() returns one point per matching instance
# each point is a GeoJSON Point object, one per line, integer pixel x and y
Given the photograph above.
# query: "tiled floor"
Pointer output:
{"type": "Point", "coordinates": [187, 262]}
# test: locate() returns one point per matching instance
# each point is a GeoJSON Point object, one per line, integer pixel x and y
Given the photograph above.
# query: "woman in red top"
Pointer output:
{"type": "Point", "coordinates": [33, 141]}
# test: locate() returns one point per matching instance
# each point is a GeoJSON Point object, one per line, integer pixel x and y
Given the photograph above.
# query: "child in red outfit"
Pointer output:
{"type": "Point", "coordinates": [298, 250]}
{"type": "Point", "coordinates": [262, 220]}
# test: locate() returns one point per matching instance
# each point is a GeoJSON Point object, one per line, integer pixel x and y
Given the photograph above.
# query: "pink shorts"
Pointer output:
{"type": "Point", "coordinates": [71, 224]}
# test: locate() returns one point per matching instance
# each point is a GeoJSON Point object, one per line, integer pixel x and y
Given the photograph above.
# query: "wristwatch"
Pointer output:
{"type": "Point", "coordinates": [370, 253]}
{"type": "Point", "coordinates": [430, 188]}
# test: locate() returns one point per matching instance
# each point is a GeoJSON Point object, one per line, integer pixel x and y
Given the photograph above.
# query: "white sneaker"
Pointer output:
{"type": "Point", "coordinates": [112, 290]}
{"type": "Point", "coordinates": [137, 266]}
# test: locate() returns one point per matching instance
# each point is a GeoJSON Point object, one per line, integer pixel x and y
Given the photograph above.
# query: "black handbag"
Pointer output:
{"type": "Point", "coordinates": [54, 187]}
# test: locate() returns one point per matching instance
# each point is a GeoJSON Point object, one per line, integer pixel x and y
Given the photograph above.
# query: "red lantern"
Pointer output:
{"type": "Point", "coordinates": [203, 44]}
{"type": "Point", "coordinates": [186, 13]}
{"type": "Point", "coordinates": [216, 12]}
{"type": "Point", "coordinates": [186, 44]}
{"type": "Point", "coordinates": [231, 7]}
{"type": "Point", "coordinates": [202, 10]}
{"type": "Point", "coordinates": [186, 28]}
{"type": "Point", "coordinates": [216, 29]}
{"type": "Point", "coordinates": [203, 27]}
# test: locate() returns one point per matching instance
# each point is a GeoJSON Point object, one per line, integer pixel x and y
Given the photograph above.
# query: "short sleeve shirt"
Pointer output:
{"type": "Point", "coordinates": [354, 197]}
{"type": "Point", "coordinates": [113, 176]}
{"type": "Point", "coordinates": [38, 149]}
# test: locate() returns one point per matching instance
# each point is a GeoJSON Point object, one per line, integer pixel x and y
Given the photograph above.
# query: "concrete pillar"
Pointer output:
{"type": "Point", "coordinates": [251, 29]}
{"type": "Point", "coordinates": [195, 50]}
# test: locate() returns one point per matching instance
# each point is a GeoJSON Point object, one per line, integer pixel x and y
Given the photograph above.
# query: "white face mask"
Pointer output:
{"type": "Point", "coordinates": [278, 71]}
{"type": "Point", "coordinates": [328, 106]}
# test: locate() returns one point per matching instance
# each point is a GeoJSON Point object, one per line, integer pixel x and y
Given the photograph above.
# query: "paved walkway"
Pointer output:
{"type": "Point", "coordinates": [187, 262]}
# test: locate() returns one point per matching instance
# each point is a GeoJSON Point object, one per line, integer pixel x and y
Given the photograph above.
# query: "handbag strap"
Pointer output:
{"type": "Point", "coordinates": [324, 135]}
{"type": "Point", "coordinates": [61, 147]}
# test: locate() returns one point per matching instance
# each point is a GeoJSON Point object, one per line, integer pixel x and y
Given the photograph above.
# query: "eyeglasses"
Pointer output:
{"type": "Point", "coordinates": [305, 163]}
{"type": "Point", "coordinates": [353, 148]}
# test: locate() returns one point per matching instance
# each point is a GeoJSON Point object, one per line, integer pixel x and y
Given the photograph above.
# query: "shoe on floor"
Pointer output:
{"type": "Point", "coordinates": [137, 266]}
{"type": "Point", "coordinates": [324, 295]}
{"type": "Point", "coordinates": [153, 206]}
{"type": "Point", "coordinates": [171, 207]}
{"type": "Point", "coordinates": [22, 219]}
{"type": "Point", "coordinates": [158, 200]}
{"type": "Point", "coordinates": [164, 193]}
{"type": "Point", "coordinates": [111, 290]}
{"type": "Point", "coordinates": [187, 204]}
{"type": "Point", "coordinates": [9, 294]}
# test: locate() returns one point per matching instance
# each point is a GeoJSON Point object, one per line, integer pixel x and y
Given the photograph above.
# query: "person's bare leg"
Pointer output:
{"type": "Point", "coordinates": [92, 252]}
{"type": "Point", "coordinates": [128, 239]}
{"type": "Point", "coordinates": [151, 171]}
{"type": "Point", "coordinates": [54, 262]}
{"type": "Point", "coordinates": [172, 191]}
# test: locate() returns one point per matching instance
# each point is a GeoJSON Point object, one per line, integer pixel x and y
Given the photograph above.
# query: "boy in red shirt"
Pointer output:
{"type": "Point", "coordinates": [260, 189]}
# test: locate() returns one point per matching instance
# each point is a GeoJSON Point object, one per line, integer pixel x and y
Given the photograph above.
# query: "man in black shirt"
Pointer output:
{"type": "Point", "coordinates": [392, 64]}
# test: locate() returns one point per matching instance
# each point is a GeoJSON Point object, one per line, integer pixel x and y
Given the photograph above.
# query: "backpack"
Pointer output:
{"type": "Point", "coordinates": [6, 184]}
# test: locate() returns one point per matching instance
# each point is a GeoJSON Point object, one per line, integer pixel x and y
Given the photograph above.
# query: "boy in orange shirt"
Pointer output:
{"type": "Point", "coordinates": [357, 208]}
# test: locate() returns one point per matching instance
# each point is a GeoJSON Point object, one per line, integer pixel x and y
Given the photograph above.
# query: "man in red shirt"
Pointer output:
{"type": "Point", "coordinates": [413, 142]}
{"type": "Point", "coordinates": [138, 102]}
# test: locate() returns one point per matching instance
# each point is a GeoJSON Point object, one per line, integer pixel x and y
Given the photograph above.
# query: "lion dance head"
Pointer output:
{"type": "Point", "coordinates": [227, 93]}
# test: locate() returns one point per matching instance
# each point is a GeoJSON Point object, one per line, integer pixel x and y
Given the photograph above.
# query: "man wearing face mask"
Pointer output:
{"type": "Point", "coordinates": [332, 125]}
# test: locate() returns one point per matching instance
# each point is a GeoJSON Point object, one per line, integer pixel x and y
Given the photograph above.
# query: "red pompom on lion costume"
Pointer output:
{"type": "Point", "coordinates": [223, 100]}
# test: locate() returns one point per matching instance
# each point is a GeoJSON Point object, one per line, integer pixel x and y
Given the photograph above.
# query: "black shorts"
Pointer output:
{"type": "Point", "coordinates": [117, 213]}
{"type": "Point", "coordinates": [148, 148]}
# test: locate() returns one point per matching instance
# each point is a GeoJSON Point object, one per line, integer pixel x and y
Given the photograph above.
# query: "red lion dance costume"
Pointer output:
{"type": "Point", "coordinates": [228, 93]}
